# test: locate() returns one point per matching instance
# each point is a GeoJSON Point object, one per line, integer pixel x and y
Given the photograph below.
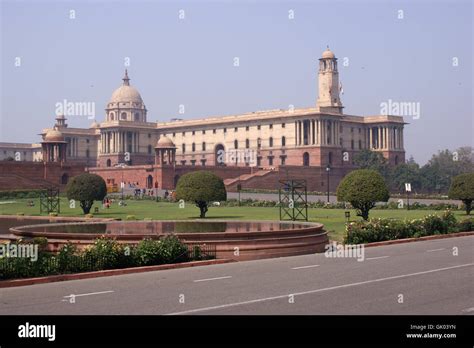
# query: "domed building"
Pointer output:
{"type": "Point", "coordinates": [126, 104]}
{"type": "Point", "coordinates": [252, 150]}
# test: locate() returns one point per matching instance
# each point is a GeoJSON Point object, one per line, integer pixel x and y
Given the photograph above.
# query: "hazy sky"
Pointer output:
{"type": "Point", "coordinates": [425, 57]}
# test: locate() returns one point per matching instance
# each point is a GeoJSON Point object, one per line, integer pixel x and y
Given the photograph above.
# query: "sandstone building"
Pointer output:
{"type": "Point", "coordinates": [253, 150]}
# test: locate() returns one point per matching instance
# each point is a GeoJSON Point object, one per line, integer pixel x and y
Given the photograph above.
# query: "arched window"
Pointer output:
{"type": "Point", "coordinates": [112, 116]}
{"type": "Point", "coordinates": [236, 144]}
{"type": "Point", "coordinates": [64, 179]}
{"type": "Point", "coordinates": [203, 146]}
{"type": "Point", "coordinates": [270, 142]}
{"type": "Point", "coordinates": [137, 116]}
{"type": "Point", "coordinates": [183, 148]}
{"type": "Point", "coordinates": [193, 147]}
{"type": "Point", "coordinates": [247, 143]}
{"type": "Point", "coordinates": [109, 162]}
{"type": "Point", "coordinates": [149, 182]}
{"type": "Point", "coordinates": [259, 143]}
{"type": "Point", "coordinates": [219, 155]}
{"type": "Point", "coordinates": [149, 149]}
{"type": "Point", "coordinates": [283, 141]}
{"type": "Point", "coordinates": [306, 159]}
{"type": "Point", "coordinates": [123, 116]}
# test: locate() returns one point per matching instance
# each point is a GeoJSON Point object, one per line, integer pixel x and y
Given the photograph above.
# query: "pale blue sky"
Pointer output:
{"type": "Point", "coordinates": [190, 61]}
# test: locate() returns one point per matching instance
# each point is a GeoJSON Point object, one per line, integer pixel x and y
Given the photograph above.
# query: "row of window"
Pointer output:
{"type": "Point", "coordinates": [123, 116]}
{"type": "Point", "coordinates": [236, 129]}
{"type": "Point", "coordinates": [236, 144]}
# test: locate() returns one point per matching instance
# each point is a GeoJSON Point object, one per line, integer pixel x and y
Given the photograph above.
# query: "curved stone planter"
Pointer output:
{"type": "Point", "coordinates": [241, 240]}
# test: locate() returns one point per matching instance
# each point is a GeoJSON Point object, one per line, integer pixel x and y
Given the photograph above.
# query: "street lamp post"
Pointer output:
{"type": "Point", "coordinates": [328, 169]}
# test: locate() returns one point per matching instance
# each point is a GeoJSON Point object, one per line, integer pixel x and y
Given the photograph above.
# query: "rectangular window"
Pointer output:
{"type": "Point", "coordinates": [236, 129]}
{"type": "Point", "coordinates": [282, 125]}
{"type": "Point", "coordinates": [203, 131]}
{"type": "Point", "coordinates": [247, 128]}
{"type": "Point", "coordinates": [271, 126]}
{"type": "Point", "coordinates": [258, 127]}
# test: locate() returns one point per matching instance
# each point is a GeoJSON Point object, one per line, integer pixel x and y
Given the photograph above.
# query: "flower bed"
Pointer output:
{"type": "Point", "coordinates": [376, 229]}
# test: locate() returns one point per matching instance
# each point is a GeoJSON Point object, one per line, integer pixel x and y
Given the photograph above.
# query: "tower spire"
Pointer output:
{"type": "Point", "coordinates": [126, 80]}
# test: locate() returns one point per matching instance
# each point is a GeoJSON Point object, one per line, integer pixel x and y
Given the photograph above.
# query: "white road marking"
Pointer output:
{"type": "Point", "coordinates": [89, 294]}
{"type": "Point", "coordinates": [318, 290]}
{"type": "Point", "coordinates": [430, 251]}
{"type": "Point", "coordinates": [208, 279]}
{"type": "Point", "coordinates": [378, 257]}
{"type": "Point", "coordinates": [468, 310]}
{"type": "Point", "coordinates": [310, 266]}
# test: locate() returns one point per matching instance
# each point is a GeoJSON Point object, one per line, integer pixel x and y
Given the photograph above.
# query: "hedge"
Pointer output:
{"type": "Point", "coordinates": [376, 229]}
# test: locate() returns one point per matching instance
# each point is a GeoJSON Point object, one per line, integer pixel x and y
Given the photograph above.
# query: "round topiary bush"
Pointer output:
{"type": "Point", "coordinates": [201, 187]}
{"type": "Point", "coordinates": [363, 188]}
{"type": "Point", "coordinates": [86, 188]}
{"type": "Point", "coordinates": [462, 188]}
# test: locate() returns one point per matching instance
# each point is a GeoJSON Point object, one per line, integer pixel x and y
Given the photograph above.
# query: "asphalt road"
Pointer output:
{"type": "Point", "coordinates": [414, 278]}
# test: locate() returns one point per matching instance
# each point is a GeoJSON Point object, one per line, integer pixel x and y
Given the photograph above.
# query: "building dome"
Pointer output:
{"type": "Point", "coordinates": [126, 93]}
{"type": "Point", "coordinates": [53, 136]}
{"type": "Point", "coordinates": [328, 54]}
{"type": "Point", "coordinates": [164, 142]}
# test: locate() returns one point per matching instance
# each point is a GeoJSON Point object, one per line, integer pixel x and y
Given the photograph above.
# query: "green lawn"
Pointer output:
{"type": "Point", "coordinates": [333, 219]}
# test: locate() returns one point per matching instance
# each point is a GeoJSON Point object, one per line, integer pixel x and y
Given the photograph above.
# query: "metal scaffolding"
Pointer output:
{"type": "Point", "coordinates": [49, 200]}
{"type": "Point", "coordinates": [293, 198]}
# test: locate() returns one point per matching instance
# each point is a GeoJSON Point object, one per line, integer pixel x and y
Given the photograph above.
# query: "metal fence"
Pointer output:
{"type": "Point", "coordinates": [48, 264]}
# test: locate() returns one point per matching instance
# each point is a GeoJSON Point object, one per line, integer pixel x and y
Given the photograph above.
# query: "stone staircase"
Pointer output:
{"type": "Point", "coordinates": [259, 179]}
{"type": "Point", "coordinates": [16, 182]}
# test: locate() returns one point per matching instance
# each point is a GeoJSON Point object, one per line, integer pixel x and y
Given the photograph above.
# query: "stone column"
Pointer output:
{"type": "Point", "coordinates": [401, 136]}
{"type": "Point", "coordinates": [370, 138]}
{"type": "Point", "coordinates": [323, 132]}
{"type": "Point", "coordinates": [379, 137]}
{"type": "Point", "coordinates": [319, 133]}
{"type": "Point", "coordinates": [296, 133]}
{"type": "Point", "coordinates": [300, 132]}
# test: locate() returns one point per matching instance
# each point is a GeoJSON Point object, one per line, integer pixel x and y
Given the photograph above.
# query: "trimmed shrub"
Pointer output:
{"type": "Point", "coordinates": [363, 188]}
{"type": "Point", "coordinates": [201, 187]}
{"type": "Point", "coordinates": [462, 188]}
{"type": "Point", "coordinates": [86, 188]}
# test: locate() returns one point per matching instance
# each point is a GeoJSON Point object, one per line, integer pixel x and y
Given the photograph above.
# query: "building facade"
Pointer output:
{"type": "Point", "coordinates": [255, 143]}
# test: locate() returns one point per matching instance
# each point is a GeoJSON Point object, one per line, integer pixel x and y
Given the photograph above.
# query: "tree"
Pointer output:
{"type": "Point", "coordinates": [366, 159]}
{"type": "Point", "coordinates": [444, 165]}
{"type": "Point", "coordinates": [406, 172]}
{"type": "Point", "coordinates": [363, 188]}
{"type": "Point", "coordinates": [462, 188]}
{"type": "Point", "coordinates": [201, 187]}
{"type": "Point", "coordinates": [86, 188]}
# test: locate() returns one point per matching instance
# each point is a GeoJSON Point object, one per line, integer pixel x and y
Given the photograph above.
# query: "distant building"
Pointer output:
{"type": "Point", "coordinates": [257, 142]}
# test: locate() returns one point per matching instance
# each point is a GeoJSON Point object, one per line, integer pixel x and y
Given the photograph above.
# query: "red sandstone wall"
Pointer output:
{"type": "Point", "coordinates": [35, 172]}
